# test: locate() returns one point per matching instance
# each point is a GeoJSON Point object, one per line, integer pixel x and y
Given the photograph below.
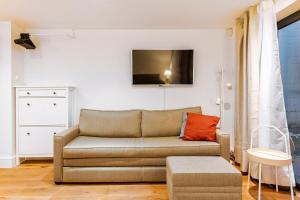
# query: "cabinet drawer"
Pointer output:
{"type": "Point", "coordinates": [37, 140]}
{"type": "Point", "coordinates": [42, 93]}
{"type": "Point", "coordinates": [42, 111]}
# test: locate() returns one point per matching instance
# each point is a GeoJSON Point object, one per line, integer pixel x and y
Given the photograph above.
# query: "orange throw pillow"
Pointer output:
{"type": "Point", "coordinates": [200, 127]}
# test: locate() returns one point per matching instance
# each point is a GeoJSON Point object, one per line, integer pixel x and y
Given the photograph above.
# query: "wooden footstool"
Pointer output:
{"type": "Point", "coordinates": [202, 177]}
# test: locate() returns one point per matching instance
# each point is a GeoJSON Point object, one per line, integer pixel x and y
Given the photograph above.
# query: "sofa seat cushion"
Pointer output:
{"type": "Point", "coordinates": [98, 147]}
{"type": "Point", "coordinates": [113, 162]}
{"type": "Point", "coordinates": [150, 147]}
{"type": "Point", "coordinates": [174, 146]}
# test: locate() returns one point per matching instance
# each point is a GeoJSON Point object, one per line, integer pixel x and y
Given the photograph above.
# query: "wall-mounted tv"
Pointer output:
{"type": "Point", "coordinates": [162, 67]}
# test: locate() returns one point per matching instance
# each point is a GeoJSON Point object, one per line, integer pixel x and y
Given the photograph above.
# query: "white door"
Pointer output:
{"type": "Point", "coordinates": [43, 111]}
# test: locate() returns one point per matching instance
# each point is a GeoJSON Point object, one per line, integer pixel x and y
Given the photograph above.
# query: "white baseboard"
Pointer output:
{"type": "Point", "coordinates": [8, 162]}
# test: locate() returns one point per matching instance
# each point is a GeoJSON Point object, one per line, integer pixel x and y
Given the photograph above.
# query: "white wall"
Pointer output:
{"type": "Point", "coordinates": [97, 63]}
{"type": "Point", "coordinates": [17, 56]}
{"type": "Point", "coordinates": [229, 71]}
{"type": "Point", "coordinates": [282, 4]}
{"type": "Point", "coordinates": [7, 141]}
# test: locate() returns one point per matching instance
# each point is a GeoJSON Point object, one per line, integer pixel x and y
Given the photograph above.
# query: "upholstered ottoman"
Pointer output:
{"type": "Point", "coordinates": [202, 177]}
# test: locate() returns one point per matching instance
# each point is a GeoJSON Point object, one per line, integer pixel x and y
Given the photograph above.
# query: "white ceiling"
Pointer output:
{"type": "Point", "coordinates": [123, 14]}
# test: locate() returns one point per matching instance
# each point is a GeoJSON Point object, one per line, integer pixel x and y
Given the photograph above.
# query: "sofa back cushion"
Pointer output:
{"type": "Point", "coordinates": [164, 123]}
{"type": "Point", "coordinates": [113, 124]}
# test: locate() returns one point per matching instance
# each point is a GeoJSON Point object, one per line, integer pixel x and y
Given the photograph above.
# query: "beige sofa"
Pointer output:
{"type": "Point", "coordinates": [126, 146]}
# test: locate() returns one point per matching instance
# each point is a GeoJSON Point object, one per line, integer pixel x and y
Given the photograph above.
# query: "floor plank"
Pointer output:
{"type": "Point", "coordinates": [33, 181]}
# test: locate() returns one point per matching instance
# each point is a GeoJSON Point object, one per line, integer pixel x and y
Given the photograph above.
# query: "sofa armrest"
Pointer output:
{"type": "Point", "coordinates": [224, 140]}
{"type": "Point", "coordinates": [60, 140]}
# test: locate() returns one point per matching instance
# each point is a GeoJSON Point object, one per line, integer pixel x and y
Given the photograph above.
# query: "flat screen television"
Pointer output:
{"type": "Point", "coordinates": [162, 67]}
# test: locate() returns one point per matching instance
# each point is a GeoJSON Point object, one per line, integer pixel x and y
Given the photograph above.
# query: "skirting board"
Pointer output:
{"type": "Point", "coordinates": [8, 162]}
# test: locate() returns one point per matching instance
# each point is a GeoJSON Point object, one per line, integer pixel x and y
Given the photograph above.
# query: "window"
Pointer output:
{"type": "Point", "coordinates": [289, 46]}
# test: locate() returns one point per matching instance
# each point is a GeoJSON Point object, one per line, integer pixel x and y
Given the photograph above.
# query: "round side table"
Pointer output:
{"type": "Point", "coordinates": [264, 156]}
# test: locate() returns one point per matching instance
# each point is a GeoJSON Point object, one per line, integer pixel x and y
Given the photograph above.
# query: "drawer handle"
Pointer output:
{"type": "Point", "coordinates": [28, 104]}
{"type": "Point", "coordinates": [54, 133]}
{"type": "Point", "coordinates": [54, 104]}
{"type": "Point", "coordinates": [28, 133]}
{"type": "Point", "coordinates": [28, 93]}
{"type": "Point", "coordinates": [54, 93]}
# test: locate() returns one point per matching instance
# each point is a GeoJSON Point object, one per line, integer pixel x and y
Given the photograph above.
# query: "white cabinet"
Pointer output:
{"type": "Point", "coordinates": [41, 112]}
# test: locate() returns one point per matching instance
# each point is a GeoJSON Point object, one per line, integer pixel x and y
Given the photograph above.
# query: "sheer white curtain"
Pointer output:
{"type": "Point", "coordinates": [259, 96]}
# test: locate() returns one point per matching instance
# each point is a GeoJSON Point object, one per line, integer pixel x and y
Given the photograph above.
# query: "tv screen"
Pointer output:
{"type": "Point", "coordinates": [162, 67]}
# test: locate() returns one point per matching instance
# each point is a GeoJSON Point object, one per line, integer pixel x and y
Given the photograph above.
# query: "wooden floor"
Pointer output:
{"type": "Point", "coordinates": [33, 181]}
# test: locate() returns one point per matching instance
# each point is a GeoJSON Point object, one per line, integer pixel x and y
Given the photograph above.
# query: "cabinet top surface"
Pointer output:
{"type": "Point", "coordinates": [43, 86]}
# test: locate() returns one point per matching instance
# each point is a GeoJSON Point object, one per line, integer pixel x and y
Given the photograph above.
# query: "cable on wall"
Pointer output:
{"type": "Point", "coordinates": [220, 99]}
{"type": "Point", "coordinates": [164, 98]}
